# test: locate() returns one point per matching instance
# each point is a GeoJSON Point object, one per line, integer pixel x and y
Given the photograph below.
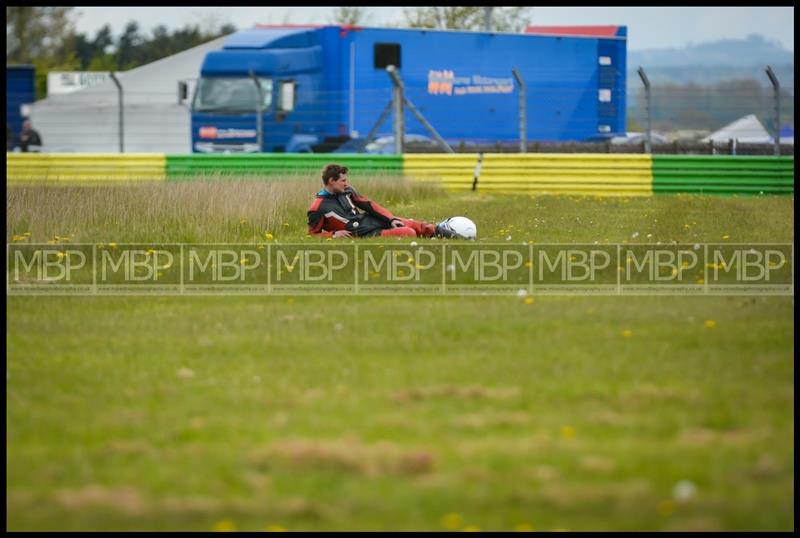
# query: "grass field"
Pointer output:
{"type": "Point", "coordinates": [407, 413]}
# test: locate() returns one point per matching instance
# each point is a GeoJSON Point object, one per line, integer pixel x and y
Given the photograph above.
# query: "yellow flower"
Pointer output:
{"type": "Point", "coordinates": [112, 245]}
{"type": "Point", "coordinates": [269, 236]}
{"type": "Point", "coordinates": [528, 300]}
{"type": "Point", "coordinates": [726, 236]}
{"type": "Point", "coordinates": [524, 527]}
{"type": "Point", "coordinates": [62, 254]}
{"type": "Point", "coordinates": [627, 333]}
{"type": "Point", "coordinates": [225, 525]}
{"type": "Point", "coordinates": [452, 521]}
{"type": "Point", "coordinates": [286, 224]}
{"type": "Point", "coordinates": [243, 261]}
{"type": "Point", "coordinates": [18, 238]}
{"type": "Point", "coordinates": [710, 324]}
{"type": "Point", "coordinates": [700, 281]}
{"type": "Point", "coordinates": [567, 432]}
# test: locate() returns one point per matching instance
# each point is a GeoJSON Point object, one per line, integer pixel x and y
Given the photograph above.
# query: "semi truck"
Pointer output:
{"type": "Point", "coordinates": [293, 88]}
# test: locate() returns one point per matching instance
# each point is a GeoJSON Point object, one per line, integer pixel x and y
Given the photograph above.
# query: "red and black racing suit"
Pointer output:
{"type": "Point", "coordinates": [359, 215]}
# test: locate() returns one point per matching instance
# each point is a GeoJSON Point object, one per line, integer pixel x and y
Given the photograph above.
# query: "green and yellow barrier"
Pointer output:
{"type": "Point", "coordinates": [83, 168]}
{"type": "Point", "coordinates": [535, 173]}
{"type": "Point", "coordinates": [723, 174]}
{"type": "Point", "coordinates": [187, 167]}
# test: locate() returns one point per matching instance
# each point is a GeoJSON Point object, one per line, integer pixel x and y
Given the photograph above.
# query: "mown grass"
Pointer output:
{"type": "Point", "coordinates": [263, 413]}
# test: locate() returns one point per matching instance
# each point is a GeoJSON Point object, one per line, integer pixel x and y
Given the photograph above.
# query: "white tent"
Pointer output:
{"type": "Point", "coordinates": [746, 130]}
{"type": "Point", "coordinates": [154, 122]}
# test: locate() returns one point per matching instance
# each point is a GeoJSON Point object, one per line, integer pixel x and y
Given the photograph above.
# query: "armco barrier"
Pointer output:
{"type": "Point", "coordinates": [84, 167]}
{"type": "Point", "coordinates": [723, 174]}
{"type": "Point", "coordinates": [629, 175]}
{"type": "Point", "coordinates": [183, 167]}
{"type": "Point", "coordinates": [595, 174]}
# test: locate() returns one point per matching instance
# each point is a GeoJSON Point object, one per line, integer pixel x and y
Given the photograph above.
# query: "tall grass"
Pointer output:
{"type": "Point", "coordinates": [204, 210]}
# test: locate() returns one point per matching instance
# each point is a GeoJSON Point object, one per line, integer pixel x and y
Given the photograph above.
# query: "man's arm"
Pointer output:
{"type": "Point", "coordinates": [373, 208]}
{"type": "Point", "coordinates": [315, 222]}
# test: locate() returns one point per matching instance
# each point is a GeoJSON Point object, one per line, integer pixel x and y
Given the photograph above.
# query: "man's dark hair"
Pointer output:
{"type": "Point", "coordinates": [332, 171]}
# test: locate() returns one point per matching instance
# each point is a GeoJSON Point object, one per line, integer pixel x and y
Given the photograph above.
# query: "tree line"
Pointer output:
{"type": "Point", "coordinates": [45, 37]}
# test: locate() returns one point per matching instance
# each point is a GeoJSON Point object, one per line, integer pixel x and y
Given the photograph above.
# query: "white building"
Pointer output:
{"type": "Point", "coordinates": [154, 122]}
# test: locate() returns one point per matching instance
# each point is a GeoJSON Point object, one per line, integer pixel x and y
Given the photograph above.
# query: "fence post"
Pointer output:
{"type": "Point", "coordinates": [259, 111]}
{"type": "Point", "coordinates": [647, 95]}
{"type": "Point", "coordinates": [397, 99]}
{"type": "Point", "coordinates": [776, 88]}
{"type": "Point", "coordinates": [523, 119]}
{"type": "Point", "coordinates": [121, 113]}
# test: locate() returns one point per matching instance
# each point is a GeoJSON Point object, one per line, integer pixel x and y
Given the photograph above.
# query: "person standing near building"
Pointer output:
{"type": "Point", "coordinates": [29, 139]}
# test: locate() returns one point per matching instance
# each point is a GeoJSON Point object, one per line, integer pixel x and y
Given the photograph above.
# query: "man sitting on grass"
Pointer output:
{"type": "Point", "coordinates": [339, 211]}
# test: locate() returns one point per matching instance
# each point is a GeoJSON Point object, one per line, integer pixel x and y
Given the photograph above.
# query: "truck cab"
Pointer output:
{"type": "Point", "coordinates": [258, 71]}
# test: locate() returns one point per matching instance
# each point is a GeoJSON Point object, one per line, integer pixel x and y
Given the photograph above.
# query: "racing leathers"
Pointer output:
{"type": "Point", "coordinates": [358, 215]}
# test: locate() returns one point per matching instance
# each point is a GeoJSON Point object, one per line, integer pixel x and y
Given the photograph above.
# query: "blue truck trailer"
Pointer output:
{"type": "Point", "coordinates": [318, 86]}
{"type": "Point", "coordinates": [20, 90]}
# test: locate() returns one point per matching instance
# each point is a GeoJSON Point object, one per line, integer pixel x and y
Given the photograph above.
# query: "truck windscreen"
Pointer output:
{"type": "Point", "coordinates": [217, 94]}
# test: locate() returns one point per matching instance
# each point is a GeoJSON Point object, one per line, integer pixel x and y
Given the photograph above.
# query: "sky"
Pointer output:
{"type": "Point", "coordinates": [648, 27]}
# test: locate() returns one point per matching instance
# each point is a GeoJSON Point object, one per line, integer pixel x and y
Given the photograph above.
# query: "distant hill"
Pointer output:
{"type": "Point", "coordinates": [715, 61]}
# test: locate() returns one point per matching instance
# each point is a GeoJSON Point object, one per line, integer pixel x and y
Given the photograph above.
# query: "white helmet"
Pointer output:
{"type": "Point", "coordinates": [460, 227]}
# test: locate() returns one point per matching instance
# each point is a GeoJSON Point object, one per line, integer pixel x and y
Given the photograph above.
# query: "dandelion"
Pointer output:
{"type": "Point", "coordinates": [269, 236]}
{"type": "Point", "coordinates": [112, 245]}
{"type": "Point", "coordinates": [726, 236]}
{"type": "Point", "coordinates": [61, 254]}
{"type": "Point", "coordinates": [524, 527]}
{"type": "Point", "coordinates": [452, 521]}
{"type": "Point", "coordinates": [18, 238]}
{"type": "Point", "coordinates": [701, 281]}
{"type": "Point", "coordinates": [225, 525]}
{"type": "Point", "coordinates": [665, 508]}
{"type": "Point", "coordinates": [567, 432]}
{"type": "Point", "coordinates": [243, 261]}
{"type": "Point", "coordinates": [627, 333]}
{"type": "Point", "coordinates": [710, 324]}
{"type": "Point", "coordinates": [528, 300]}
